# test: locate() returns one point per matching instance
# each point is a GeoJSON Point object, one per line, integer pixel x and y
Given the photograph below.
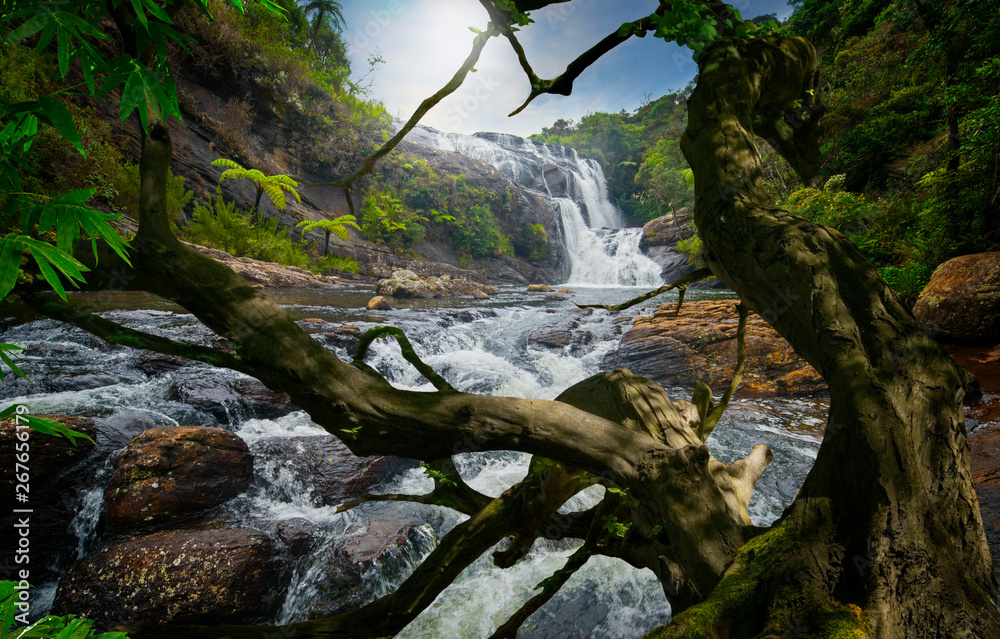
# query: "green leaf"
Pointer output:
{"type": "Point", "coordinates": [30, 27]}
{"type": "Point", "coordinates": [9, 361]}
{"type": "Point", "coordinates": [48, 426]}
{"type": "Point", "coordinates": [134, 95]}
{"type": "Point", "coordinates": [10, 263]}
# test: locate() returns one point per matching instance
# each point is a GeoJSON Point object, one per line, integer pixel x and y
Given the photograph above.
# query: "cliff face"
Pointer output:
{"type": "Point", "coordinates": [232, 115]}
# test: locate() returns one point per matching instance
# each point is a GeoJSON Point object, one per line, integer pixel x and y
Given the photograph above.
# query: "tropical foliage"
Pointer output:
{"type": "Point", "coordinates": [48, 627]}
{"type": "Point", "coordinates": [274, 186]}
{"type": "Point", "coordinates": [337, 226]}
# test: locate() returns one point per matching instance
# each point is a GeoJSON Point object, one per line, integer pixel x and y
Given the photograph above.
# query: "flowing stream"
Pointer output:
{"type": "Point", "coordinates": [513, 344]}
{"type": "Point", "coordinates": [508, 345]}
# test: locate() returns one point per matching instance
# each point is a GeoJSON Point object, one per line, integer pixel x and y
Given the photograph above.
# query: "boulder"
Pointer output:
{"type": "Point", "coordinates": [345, 336]}
{"type": "Point", "coordinates": [58, 473]}
{"type": "Point", "coordinates": [178, 577]}
{"type": "Point", "coordinates": [667, 230]}
{"type": "Point", "coordinates": [226, 399]}
{"type": "Point", "coordinates": [406, 283]}
{"type": "Point", "coordinates": [353, 566]}
{"type": "Point", "coordinates": [700, 346]}
{"type": "Point", "coordinates": [263, 402]}
{"type": "Point", "coordinates": [167, 474]}
{"type": "Point", "coordinates": [378, 303]}
{"type": "Point", "coordinates": [320, 470]}
{"type": "Point", "coordinates": [267, 274]}
{"type": "Point", "coordinates": [962, 301]}
{"type": "Point", "coordinates": [540, 288]}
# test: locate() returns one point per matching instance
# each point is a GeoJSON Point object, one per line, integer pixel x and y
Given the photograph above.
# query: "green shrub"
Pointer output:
{"type": "Point", "coordinates": [538, 241]}
{"type": "Point", "coordinates": [480, 236]}
{"type": "Point", "coordinates": [907, 281]}
{"type": "Point", "coordinates": [692, 248]}
{"type": "Point", "coordinates": [51, 626]}
{"type": "Point", "coordinates": [386, 220]}
{"type": "Point", "coordinates": [339, 262]}
{"type": "Point", "coordinates": [219, 224]}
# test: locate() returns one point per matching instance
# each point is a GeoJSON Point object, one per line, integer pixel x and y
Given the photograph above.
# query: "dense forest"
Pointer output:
{"type": "Point", "coordinates": [909, 174]}
{"type": "Point", "coordinates": [911, 148]}
{"type": "Point", "coordinates": [290, 71]}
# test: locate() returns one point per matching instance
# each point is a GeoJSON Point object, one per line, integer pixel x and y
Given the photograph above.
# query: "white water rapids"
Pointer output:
{"type": "Point", "coordinates": [514, 344]}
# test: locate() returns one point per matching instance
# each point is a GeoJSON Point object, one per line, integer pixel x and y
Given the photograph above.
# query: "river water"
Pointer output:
{"type": "Point", "coordinates": [515, 344]}
{"type": "Point", "coordinates": [508, 345]}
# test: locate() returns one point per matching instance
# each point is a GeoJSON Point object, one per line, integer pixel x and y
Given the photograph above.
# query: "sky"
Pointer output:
{"type": "Point", "coordinates": [423, 43]}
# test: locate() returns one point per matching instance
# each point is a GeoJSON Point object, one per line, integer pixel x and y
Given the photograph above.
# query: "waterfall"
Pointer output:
{"type": "Point", "coordinates": [600, 251]}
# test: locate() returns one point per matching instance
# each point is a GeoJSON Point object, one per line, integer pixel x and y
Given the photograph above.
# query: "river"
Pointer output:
{"type": "Point", "coordinates": [499, 346]}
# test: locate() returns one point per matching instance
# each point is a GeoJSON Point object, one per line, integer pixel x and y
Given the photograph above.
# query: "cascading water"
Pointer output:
{"type": "Point", "coordinates": [510, 345]}
{"type": "Point", "coordinates": [601, 252]}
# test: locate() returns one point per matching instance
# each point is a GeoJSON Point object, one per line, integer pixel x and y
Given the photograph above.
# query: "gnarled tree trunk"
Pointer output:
{"type": "Point", "coordinates": [886, 529]}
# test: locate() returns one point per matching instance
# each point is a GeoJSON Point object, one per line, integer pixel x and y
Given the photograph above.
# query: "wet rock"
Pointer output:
{"type": "Point", "coordinates": [297, 534]}
{"type": "Point", "coordinates": [263, 402]}
{"type": "Point", "coordinates": [984, 448]}
{"type": "Point", "coordinates": [205, 390]}
{"type": "Point", "coordinates": [48, 456]}
{"type": "Point", "coordinates": [154, 364]}
{"type": "Point", "coordinates": [962, 301]}
{"type": "Point", "coordinates": [228, 399]}
{"type": "Point", "coordinates": [167, 474]}
{"type": "Point", "coordinates": [178, 577]}
{"type": "Point", "coordinates": [267, 274]}
{"type": "Point", "coordinates": [355, 565]}
{"type": "Point", "coordinates": [540, 288]}
{"type": "Point", "coordinates": [320, 470]}
{"type": "Point", "coordinates": [567, 290]}
{"type": "Point", "coordinates": [667, 230]}
{"type": "Point", "coordinates": [346, 336]}
{"type": "Point", "coordinates": [700, 346]}
{"type": "Point", "coordinates": [379, 303]}
{"type": "Point", "coordinates": [57, 470]}
{"type": "Point", "coordinates": [982, 398]}
{"type": "Point", "coordinates": [406, 283]}
{"type": "Point", "coordinates": [554, 297]}
{"type": "Point", "coordinates": [673, 264]}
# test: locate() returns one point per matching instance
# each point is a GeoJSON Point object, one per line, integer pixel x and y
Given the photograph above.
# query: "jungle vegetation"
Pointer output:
{"type": "Point", "coordinates": [888, 502]}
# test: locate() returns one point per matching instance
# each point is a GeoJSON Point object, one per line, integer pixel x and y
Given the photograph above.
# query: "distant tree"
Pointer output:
{"type": "Point", "coordinates": [337, 226]}
{"type": "Point", "coordinates": [274, 186]}
{"type": "Point", "coordinates": [329, 12]}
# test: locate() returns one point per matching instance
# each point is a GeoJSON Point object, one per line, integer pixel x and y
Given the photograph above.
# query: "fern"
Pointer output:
{"type": "Point", "coordinates": [337, 226]}
{"type": "Point", "coordinates": [274, 186]}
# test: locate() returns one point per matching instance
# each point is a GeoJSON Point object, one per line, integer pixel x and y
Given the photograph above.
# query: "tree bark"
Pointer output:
{"type": "Point", "coordinates": [887, 520]}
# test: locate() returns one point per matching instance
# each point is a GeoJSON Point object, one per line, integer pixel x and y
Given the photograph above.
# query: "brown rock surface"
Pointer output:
{"type": "Point", "coordinates": [962, 300]}
{"type": "Point", "coordinates": [379, 303]}
{"type": "Point", "coordinates": [208, 577]}
{"type": "Point", "coordinates": [700, 346]}
{"type": "Point", "coordinates": [387, 546]}
{"type": "Point", "coordinates": [666, 230]}
{"type": "Point", "coordinates": [406, 283]}
{"type": "Point", "coordinates": [268, 274]}
{"type": "Point", "coordinates": [166, 474]}
{"type": "Point", "coordinates": [324, 471]}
